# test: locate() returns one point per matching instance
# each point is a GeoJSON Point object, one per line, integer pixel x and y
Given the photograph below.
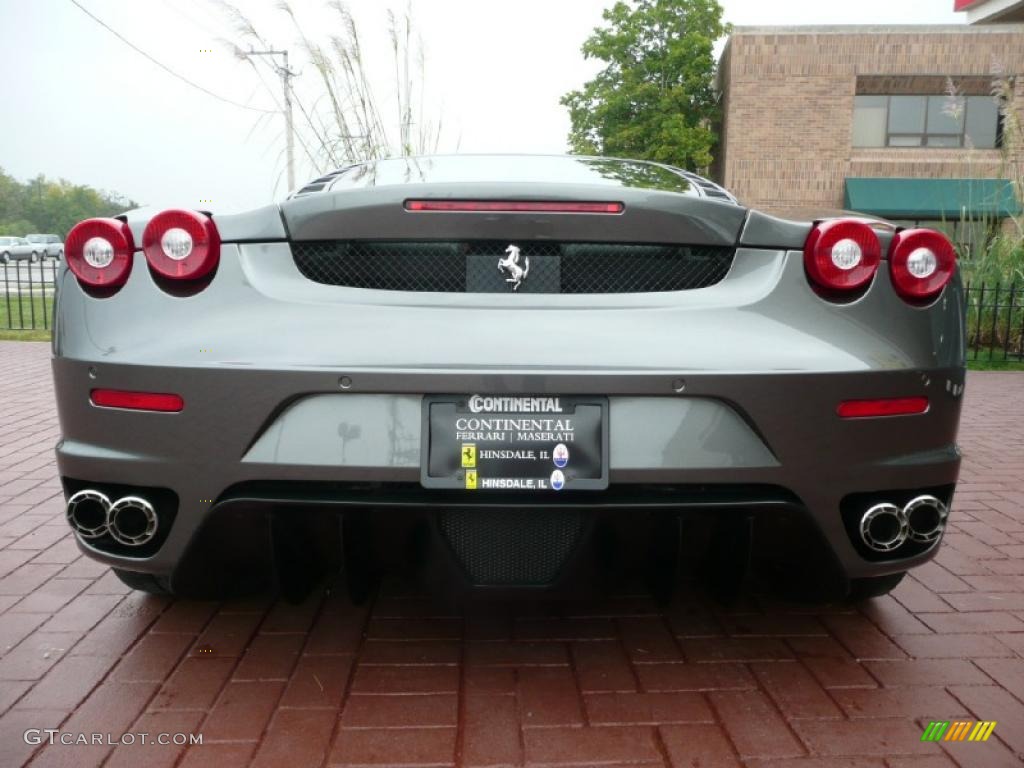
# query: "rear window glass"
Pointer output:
{"type": "Point", "coordinates": [512, 169]}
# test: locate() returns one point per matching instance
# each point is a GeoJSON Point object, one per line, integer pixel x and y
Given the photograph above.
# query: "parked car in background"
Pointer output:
{"type": "Point", "coordinates": [46, 245]}
{"type": "Point", "coordinates": [15, 248]}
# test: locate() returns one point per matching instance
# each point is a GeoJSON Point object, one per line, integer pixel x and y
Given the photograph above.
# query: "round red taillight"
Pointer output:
{"type": "Point", "coordinates": [99, 252]}
{"type": "Point", "coordinates": [842, 255]}
{"type": "Point", "coordinates": [181, 245]}
{"type": "Point", "coordinates": [921, 262]}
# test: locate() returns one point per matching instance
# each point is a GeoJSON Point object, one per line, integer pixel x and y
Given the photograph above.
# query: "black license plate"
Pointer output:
{"type": "Point", "coordinates": [515, 443]}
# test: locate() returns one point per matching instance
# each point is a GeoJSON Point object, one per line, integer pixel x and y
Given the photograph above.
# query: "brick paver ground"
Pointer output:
{"type": "Point", "coordinates": [619, 682]}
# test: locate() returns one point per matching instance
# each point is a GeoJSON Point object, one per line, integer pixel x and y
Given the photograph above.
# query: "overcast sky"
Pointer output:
{"type": "Point", "coordinates": [80, 104]}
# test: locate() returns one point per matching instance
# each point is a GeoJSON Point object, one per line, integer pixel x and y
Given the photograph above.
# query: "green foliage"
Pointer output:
{"type": "Point", "coordinates": [999, 260]}
{"type": "Point", "coordinates": [992, 258]}
{"type": "Point", "coordinates": [6, 335]}
{"type": "Point", "coordinates": [52, 207]}
{"type": "Point", "coordinates": [983, 364]}
{"type": "Point", "coordinates": [17, 228]}
{"type": "Point", "coordinates": [655, 98]}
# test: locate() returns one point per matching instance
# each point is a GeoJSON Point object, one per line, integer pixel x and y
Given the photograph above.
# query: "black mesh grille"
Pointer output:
{"type": "Point", "coordinates": [472, 266]}
{"type": "Point", "coordinates": [502, 547]}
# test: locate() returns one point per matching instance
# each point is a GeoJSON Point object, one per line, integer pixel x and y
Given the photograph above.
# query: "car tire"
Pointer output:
{"type": "Point", "coordinates": [144, 582]}
{"type": "Point", "coordinates": [876, 586]}
{"type": "Point", "coordinates": [5, 258]}
{"type": "Point", "coordinates": [33, 258]}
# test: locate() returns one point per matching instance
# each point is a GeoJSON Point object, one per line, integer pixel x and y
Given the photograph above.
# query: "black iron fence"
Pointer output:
{"type": "Point", "coordinates": [995, 321]}
{"type": "Point", "coordinates": [28, 291]}
{"type": "Point", "coordinates": [994, 311]}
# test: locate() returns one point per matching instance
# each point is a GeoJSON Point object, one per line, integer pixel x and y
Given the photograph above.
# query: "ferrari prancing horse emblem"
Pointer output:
{"type": "Point", "coordinates": [510, 265]}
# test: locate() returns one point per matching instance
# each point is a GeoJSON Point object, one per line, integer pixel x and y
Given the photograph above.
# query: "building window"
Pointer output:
{"type": "Point", "coordinates": [925, 121]}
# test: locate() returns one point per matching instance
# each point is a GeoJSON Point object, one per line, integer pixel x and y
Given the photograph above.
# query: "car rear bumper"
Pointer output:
{"type": "Point", "coordinates": [297, 428]}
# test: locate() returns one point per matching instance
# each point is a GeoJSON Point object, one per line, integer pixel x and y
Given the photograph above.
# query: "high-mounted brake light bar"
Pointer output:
{"type": "Point", "coordinates": [512, 206]}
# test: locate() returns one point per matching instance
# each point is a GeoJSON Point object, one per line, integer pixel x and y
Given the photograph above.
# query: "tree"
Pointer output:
{"type": "Point", "coordinates": [655, 97]}
{"type": "Point", "coordinates": [46, 206]}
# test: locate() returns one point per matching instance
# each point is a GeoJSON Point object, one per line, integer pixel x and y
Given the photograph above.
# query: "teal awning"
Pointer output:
{"type": "Point", "coordinates": [950, 199]}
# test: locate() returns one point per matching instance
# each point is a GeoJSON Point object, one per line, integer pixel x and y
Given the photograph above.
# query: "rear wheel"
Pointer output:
{"type": "Point", "coordinates": [876, 586]}
{"type": "Point", "coordinates": [33, 258]}
{"type": "Point", "coordinates": [144, 582]}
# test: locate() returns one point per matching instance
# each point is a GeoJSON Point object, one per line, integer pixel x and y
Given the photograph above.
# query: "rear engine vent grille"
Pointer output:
{"type": "Point", "coordinates": [472, 266]}
{"type": "Point", "coordinates": [506, 547]}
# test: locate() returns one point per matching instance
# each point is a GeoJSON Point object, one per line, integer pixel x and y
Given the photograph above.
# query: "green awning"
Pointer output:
{"type": "Point", "coordinates": [950, 199]}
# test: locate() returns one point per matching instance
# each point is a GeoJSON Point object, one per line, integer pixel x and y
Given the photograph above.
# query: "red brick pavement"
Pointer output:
{"type": "Point", "coordinates": [613, 683]}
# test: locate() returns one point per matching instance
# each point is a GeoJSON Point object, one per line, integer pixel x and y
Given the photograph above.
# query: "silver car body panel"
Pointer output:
{"type": "Point", "coordinates": [351, 430]}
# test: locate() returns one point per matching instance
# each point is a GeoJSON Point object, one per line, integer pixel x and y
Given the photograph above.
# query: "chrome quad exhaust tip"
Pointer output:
{"type": "Point", "coordinates": [926, 518]}
{"type": "Point", "coordinates": [132, 521]}
{"type": "Point", "coordinates": [884, 527]}
{"type": "Point", "coordinates": [87, 512]}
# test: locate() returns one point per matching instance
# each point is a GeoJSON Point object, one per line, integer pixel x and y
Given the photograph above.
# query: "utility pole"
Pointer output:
{"type": "Point", "coordinates": [286, 74]}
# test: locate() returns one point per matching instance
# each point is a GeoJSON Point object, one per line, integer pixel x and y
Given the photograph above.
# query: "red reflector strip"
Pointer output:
{"type": "Point", "coordinates": [512, 206]}
{"type": "Point", "coordinates": [891, 406]}
{"type": "Point", "coordinates": [137, 401]}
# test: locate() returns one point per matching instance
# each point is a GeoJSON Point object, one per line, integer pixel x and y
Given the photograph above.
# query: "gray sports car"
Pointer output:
{"type": "Point", "coordinates": [507, 371]}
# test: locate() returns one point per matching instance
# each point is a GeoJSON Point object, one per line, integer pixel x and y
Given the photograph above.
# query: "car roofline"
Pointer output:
{"type": "Point", "coordinates": [703, 186]}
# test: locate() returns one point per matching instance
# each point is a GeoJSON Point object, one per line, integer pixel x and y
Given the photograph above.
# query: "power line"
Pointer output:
{"type": "Point", "coordinates": [164, 67]}
{"type": "Point", "coordinates": [213, 33]}
{"type": "Point", "coordinates": [241, 54]}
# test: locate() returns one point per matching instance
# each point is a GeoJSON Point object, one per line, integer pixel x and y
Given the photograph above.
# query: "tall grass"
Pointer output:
{"type": "Point", "coordinates": [993, 265]}
{"type": "Point", "coordinates": [356, 116]}
{"type": "Point", "coordinates": [999, 257]}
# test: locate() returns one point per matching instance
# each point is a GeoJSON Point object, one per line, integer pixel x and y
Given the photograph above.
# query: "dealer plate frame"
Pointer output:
{"type": "Point", "coordinates": [458, 482]}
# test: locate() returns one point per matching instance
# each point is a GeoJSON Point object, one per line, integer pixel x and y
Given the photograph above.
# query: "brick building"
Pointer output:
{"type": "Point", "coordinates": [861, 118]}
